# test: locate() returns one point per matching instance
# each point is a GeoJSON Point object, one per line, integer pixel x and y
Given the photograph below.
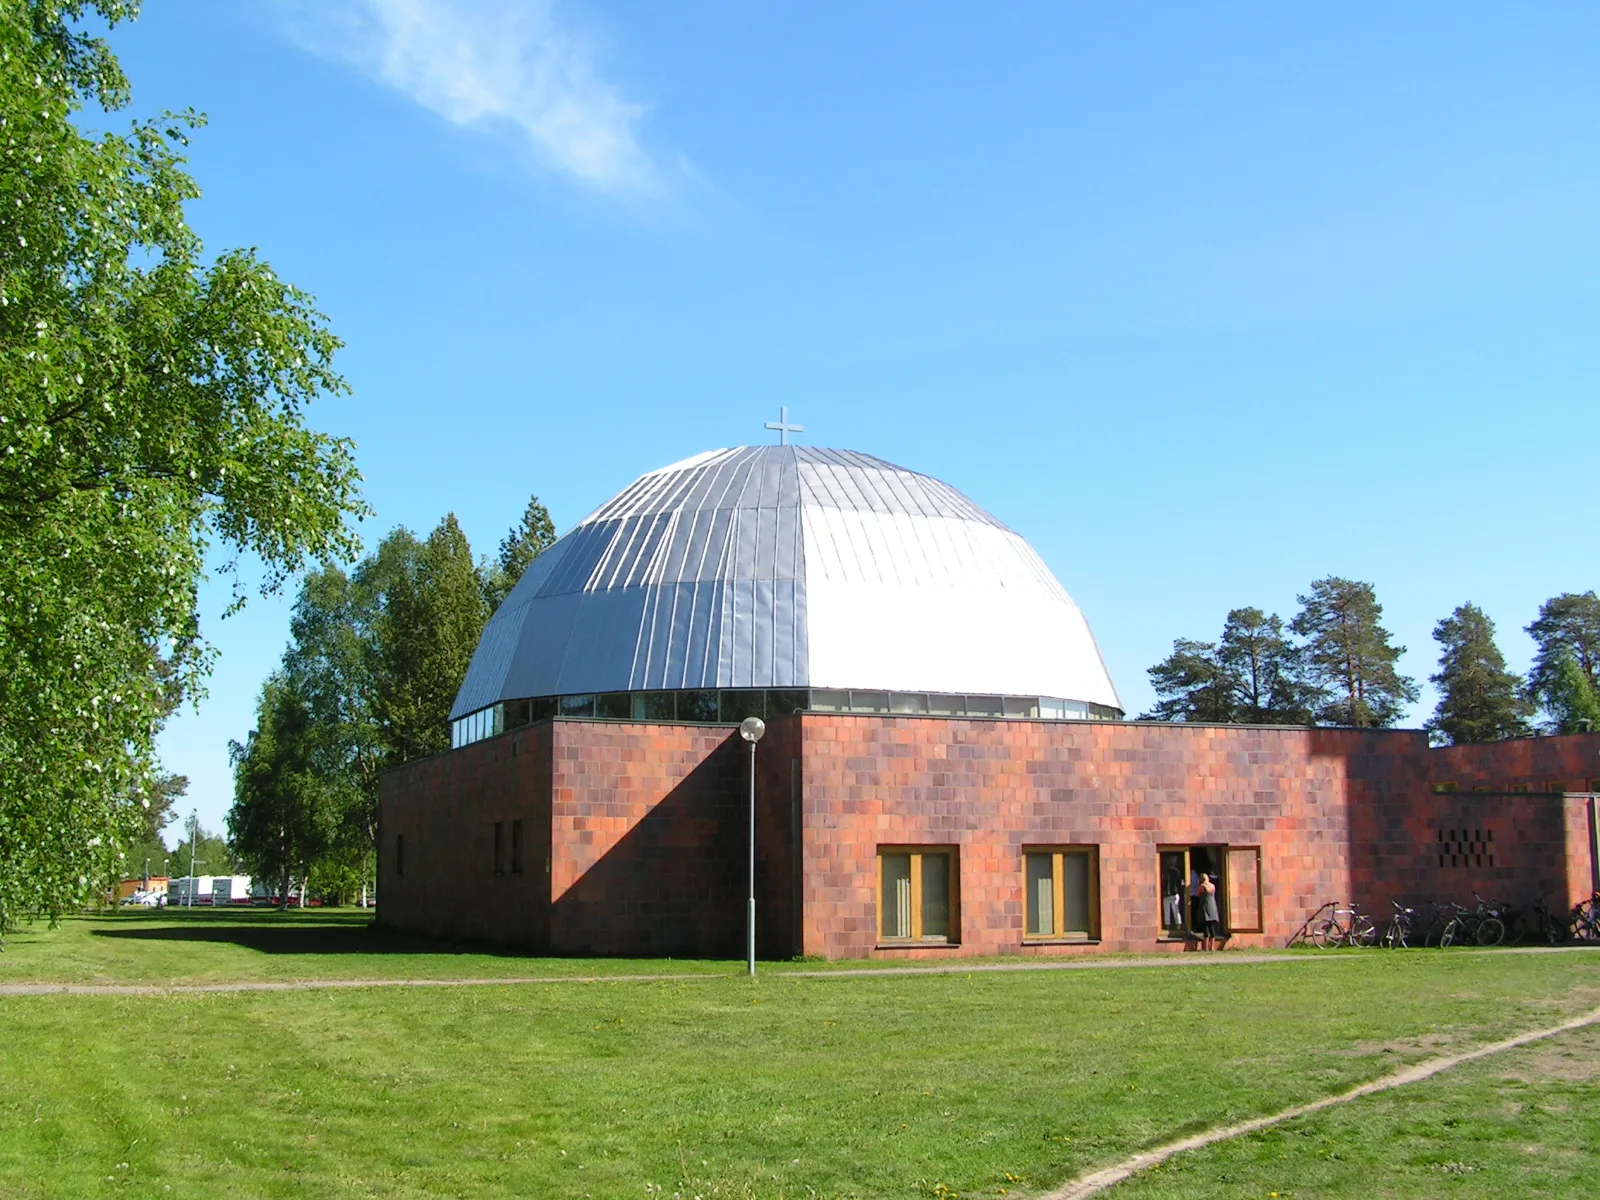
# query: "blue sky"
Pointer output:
{"type": "Point", "coordinates": [1205, 302]}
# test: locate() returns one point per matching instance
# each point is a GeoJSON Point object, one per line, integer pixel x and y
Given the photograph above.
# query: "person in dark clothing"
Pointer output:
{"type": "Point", "coordinates": [1209, 915]}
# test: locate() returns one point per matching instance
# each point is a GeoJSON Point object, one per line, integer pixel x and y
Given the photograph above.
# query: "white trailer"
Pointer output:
{"type": "Point", "coordinates": [226, 889]}
{"type": "Point", "coordinates": [189, 890]}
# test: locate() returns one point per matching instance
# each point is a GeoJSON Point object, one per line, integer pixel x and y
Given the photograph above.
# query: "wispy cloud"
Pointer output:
{"type": "Point", "coordinates": [485, 62]}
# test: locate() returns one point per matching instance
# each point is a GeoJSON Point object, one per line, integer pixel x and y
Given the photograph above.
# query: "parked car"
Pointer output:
{"type": "Point", "coordinates": [145, 900]}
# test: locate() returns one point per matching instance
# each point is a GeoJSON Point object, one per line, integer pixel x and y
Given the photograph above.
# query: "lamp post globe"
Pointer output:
{"type": "Point", "coordinates": [751, 729]}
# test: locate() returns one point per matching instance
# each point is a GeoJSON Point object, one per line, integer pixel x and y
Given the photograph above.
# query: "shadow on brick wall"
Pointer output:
{"type": "Point", "coordinates": [675, 884]}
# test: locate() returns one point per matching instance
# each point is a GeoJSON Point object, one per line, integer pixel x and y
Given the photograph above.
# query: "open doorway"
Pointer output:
{"type": "Point", "coordinates": [1181, 869]}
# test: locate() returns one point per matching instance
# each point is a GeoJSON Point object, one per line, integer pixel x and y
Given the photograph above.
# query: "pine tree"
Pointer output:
{"type": "Point", "coordinates": [1348, 655]}
{"type": "Point", "coordinates": [1479, 700]}
{"type": "Point", "coordinates": [1567, 631]}
{"type": "Point", "coordinates": [1263, 667]}
{"type": "Point", "coordinates": [1193, 685]}
{"type": "Point", "coordinates": [528, 539]}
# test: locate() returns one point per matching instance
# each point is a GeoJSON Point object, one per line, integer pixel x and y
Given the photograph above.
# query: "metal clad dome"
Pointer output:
{"type": "Point", "coordinates": [787, 567]}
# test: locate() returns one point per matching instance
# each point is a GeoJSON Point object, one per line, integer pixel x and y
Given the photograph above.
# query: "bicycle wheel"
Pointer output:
{"type": "Point", "coordinates": [1555, 932]}
{"type": "Point", "coordinates": [1328, 934]}
{"type": "Point", "coordinates": [1363, 933]}
{"type": "Point", "coordinates": [1491, 931]}
{"type": "Point", "coordinates": [1448, 937]}
{"type": "Point", "coordinates": [1394, 937]}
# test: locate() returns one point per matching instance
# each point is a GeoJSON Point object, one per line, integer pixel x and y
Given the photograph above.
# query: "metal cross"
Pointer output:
{"type": "Point", "coordinates": [783, 427]}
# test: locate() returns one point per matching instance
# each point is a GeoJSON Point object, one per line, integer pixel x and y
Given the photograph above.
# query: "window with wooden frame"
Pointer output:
{"type": "Point", "coordinates": [919, 895]}
{"type": "Point", "coordinates": [1241, 880]}
{"type": "Point", "coordinates": [499, 847]}
{"type": "Point", "coordinates": [1061, 893]}
{"type": "Point", "coordinates": [516, 847]}
{"type": "Point", "coordinates": [1239, 889]}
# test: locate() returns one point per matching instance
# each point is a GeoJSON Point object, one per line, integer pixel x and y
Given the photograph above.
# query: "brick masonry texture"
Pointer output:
{"type": "Point", "coordinates": [637, 833]}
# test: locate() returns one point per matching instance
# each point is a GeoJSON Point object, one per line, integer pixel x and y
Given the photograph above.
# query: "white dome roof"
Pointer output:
{"type": "Point", "coordinates": [788, 567]}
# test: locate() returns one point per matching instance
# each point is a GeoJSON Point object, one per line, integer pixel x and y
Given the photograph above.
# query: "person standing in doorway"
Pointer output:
{"type": "Point", "coordinates": [1211, 919]}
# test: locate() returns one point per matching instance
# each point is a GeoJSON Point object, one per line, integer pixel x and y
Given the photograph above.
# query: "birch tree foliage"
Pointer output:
{"type": "Point", "coordinates": [152, 409]}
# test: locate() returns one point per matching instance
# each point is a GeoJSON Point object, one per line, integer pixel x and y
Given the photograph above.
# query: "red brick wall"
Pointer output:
{"type": "Point", "coordinates": [1561, 831]}
{"type": "Point", "coordinates": [993, 787]}
{"type": "Point", "coordinates": [637, 840]}
{"type": "Point", "coordinates": [446, 807]}
{"type": "Point", "coordinates": [1338, 814]}
{"type": "Point", "coordinates": [1572, 760]}
{"type": "Point", "coordinates": [637, 832]}
{"type": "Point", "coordinates": [650, 827]}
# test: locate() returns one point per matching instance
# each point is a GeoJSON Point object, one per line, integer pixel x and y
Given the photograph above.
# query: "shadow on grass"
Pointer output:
{"type": "Point", "coordinates": [269, 931]}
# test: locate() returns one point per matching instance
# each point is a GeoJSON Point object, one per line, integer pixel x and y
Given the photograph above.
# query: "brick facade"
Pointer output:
{"type": "Point", "coordinates": [637, 832]}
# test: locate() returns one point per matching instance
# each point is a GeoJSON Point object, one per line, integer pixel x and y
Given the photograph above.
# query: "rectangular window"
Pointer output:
{"type": "Point", "coordinates": [653, 706]}
{"type": "Point", "coordinates": [918, 894]}
{"type": "Point", "coordinates": [1062, 887]}
{"type": "Point", "coordinates": [733, 707]}
{"type": "Point", "coordinates": [697, 706]}
{"type": "Point", "coordinates": [1243, 879]}
{"type": "Point", "coordinates": [499, 847]}
{"type": "Point", "coordinates": [1183, 904]}
{"type": "Point", "coordinates": [399, 854]}
{"type": "Point", "coordinates": [516, 847]}
{"type": "Point", "coordinates": [616, 705]}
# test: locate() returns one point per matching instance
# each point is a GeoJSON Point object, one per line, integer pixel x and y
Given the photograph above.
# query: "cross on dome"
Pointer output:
{"type": "Point", "coordinates": [783, 427]}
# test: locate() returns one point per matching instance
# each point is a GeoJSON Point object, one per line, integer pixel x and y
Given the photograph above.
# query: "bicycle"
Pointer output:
{"type": "Point", "coordinates": [1490, 927]}
{"type": "Point", "coordinates": [1479, 926]}
{"type": "Point", "coordinates": [1402, 927]}
{"type": "Point", "coordinates": [1547, 927]}
{"type": "Point", "coordinates": [1584, 921]}
{"type": "Point", "coordinates": [1305, 933]}
{"type": "Point", "coordinates": [1345, 927]}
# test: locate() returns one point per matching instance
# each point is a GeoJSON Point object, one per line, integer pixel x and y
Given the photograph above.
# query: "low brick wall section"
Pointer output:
{"type": "Point", "coordinates": [440, 879]}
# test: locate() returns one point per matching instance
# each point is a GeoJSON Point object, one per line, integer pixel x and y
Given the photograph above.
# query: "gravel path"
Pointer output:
{"type": "Point", "coordinates": [1154, 961]}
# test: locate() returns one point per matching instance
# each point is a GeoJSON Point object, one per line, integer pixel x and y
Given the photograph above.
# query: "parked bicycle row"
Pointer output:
{"type": "Point", "coordinates": [1448, 924]}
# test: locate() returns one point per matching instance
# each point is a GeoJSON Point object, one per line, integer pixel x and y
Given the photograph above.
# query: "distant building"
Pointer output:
{"type": "Point", "coordinates": [157, 885]}
{"type": "Point", "coordinates": [947, 768]}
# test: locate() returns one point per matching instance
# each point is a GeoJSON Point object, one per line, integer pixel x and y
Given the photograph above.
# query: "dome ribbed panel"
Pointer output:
{"type": "Point", "coordinates": [787, 566]}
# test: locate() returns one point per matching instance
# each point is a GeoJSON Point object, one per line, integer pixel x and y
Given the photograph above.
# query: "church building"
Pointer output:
{"type": "Point", "coordinates": [946, 768]}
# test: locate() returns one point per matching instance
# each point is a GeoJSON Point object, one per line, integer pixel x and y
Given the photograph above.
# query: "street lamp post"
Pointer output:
{"type": "Point", "coordinates": [751, 729]}
{"type": "Point", "coordinates": [194, 835]}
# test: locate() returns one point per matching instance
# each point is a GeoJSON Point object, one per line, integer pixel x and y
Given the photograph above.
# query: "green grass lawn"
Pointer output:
{"type": "Point", "coordinates": [205, 945]}
{"type": "Point", "coordinates": [785, 1086]}
{"type": "Point", "coordinates": [1525, 1123]}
